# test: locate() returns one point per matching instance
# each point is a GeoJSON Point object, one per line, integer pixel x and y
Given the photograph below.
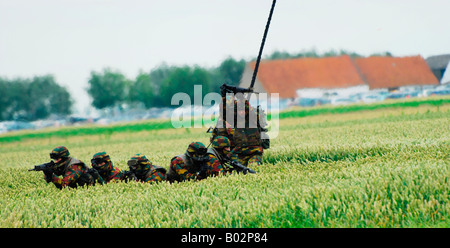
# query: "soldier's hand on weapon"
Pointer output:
{"type": "Point", "coordinates": [203, 173]}
{"type": "Point", "coordinates": [94, 173]}
{"type": "Point", "coordinates": [48, 175]}
{"type": "Point", "coordinates": [129, 176]}
{"type": "Point", "coordinates": [47, 168]}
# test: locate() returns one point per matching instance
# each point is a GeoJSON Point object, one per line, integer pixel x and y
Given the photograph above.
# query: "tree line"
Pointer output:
{"type": "Point", "coordinates": [32, 99]}
{"type": "Point", "coordinates": [41, 96]}
{"type": "Point", "coordinates": [155, 88]}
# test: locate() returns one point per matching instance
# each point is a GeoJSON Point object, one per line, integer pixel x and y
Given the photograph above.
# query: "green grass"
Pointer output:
{"type": "Point", "coordinates": [387, 167]}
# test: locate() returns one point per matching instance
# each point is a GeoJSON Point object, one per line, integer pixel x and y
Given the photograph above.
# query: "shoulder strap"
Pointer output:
{"type": "Point", "coordinates": [214, 152]}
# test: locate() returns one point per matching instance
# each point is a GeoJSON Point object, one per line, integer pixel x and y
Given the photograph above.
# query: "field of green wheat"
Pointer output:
{"type": "Point", "coordinates": [380, 167]}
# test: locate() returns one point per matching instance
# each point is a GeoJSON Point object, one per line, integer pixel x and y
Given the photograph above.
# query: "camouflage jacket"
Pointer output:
{"type": "Point", "coordinates": [242, 131]}
{"type": "Point", "coordinates": [214, 154]}
{"type": "Point", "coordinates": [247, 155]}
{"type": "Point", "coordinates": [73, 173]}
{"type": "Point", "coordinates": [154, 175]}
{"type": "Point", "coordinates": [113, 175]}
{"type": "Point", "coordinates": [183, 168]}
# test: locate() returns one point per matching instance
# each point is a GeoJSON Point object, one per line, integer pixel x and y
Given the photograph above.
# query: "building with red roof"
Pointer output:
{"type": "Point", "coordinates": [287, 76]}
{"type": "Point", "coordinates": [343, 73]}
{"type": "Point", "coordinates": [395, 72]}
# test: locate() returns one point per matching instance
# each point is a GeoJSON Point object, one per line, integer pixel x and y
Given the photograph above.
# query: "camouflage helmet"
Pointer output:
{"type": "Point", "coordinates": [101, 157]}
{"type": "Point", "coordinates": [60, 152]}
{"type": "Point", "coordinates": [196, 151]}
{"type": "Point", "coordinates": [196, 148]}
{"type": "Point", "coordinates": [220, 142]}
{"type": "Point", "coordinates": [139, 164]}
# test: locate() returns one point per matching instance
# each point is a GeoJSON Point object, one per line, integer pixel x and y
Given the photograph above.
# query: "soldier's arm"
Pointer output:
{"type": "Point", "coordinates": [70, 176]}
{"type": "Point", "coordinates": [215, 167]}
{"type": "Point", "coordinates": [117, 175]}
{"type": "Point", "coordinates": [179, 167]}
{"type": "Point", "coordinates": [155, 177]}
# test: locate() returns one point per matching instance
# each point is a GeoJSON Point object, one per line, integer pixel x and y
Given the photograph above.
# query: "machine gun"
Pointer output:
{"type": "Point", "coordinates": [239, 167]}
{"type": "Point", "coordinates": [95, 175]}
{"type": "Point", "coordinates": [47, 168]}
{"type": "Point", "coordinates": [44, 167]}
{"type": "Point", "coordinates": [200, 162]}
{"type": "Point", "coordinates": [129, 176]}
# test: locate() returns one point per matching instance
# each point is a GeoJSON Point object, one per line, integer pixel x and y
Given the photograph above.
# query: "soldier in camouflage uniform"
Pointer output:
{"type": "Point", "coordinates": [246, 140]}
{"type": "Point", "coordinates": [102, 163]}
{"type": "Point", "coordinates": [223, 127]}
{"type": "Point", "coordinates": [194, 164]}
{"type": "Point", "coordinates": [226, 132]}
{"type": "Point", "coordinates": [67, 171]}
{"type": "Point", "coordinates": [145, 171]}
{"type": "Point", "coordinates": [221, 150]}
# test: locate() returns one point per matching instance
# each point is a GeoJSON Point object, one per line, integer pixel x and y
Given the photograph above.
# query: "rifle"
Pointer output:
{"type": "Point", "coordinates": [200, 163]}
{"type": "Point", "coordinates": [47, 168]}
{"type": "Point", "coordinates": [239, 167]}
{"type": "Point", "coordinates": [95, 175]}
{"type": "Point", "coordinates": [211, 129]}
{"type": "Point", "coordinates": [44, 167]}
{"type": "Point", "coordinates": [129, 176]}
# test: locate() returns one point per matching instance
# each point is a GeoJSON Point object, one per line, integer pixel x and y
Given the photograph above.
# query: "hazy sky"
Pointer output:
{"type": "Point", "coordinates": [70, 38]}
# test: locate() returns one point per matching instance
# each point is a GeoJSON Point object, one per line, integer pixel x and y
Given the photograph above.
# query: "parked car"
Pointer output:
{"type": "Point", "coordinates": [369, 98]}
{"type": "Point", "coordinates": [441, 92]}
{"type": "Point", "coordinates": [8, 126]}
{"type": "Point", "coordinates": [397, 95]}
{"type": "Point", "coordinates": [342, 101]}
{"type": "Point", "coordinates": [3, 128]}
{"type": "Point", "coordinates": [310, 102]}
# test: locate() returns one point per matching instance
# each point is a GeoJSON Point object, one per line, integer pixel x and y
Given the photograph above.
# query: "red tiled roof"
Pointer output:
{"type": "Point", "coordinates": [392, 72]}
{"type": "Point", "coordinates": [286, 76]}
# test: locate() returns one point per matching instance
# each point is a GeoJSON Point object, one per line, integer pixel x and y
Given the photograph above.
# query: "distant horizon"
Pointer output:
{"type": "Point", "coordinates": [89, 108]}
{"type": "Point", "coordinates": [69, 39]}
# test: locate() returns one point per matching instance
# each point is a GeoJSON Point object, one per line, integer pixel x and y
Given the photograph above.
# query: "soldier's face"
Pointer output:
{"type": "Point", "coordinates": [57, 160]}
{"type": "Point", "coordinates": [101, 165]}
{"type": "Point", "coordinates": [226, 150]}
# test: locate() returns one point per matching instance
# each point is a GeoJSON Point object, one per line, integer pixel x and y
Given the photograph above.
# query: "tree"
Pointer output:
{"type": "Point", "coordinates": [16, 98]}
{"type": "Point", "coordinates": [157, 78]}
{"type": "Point", "coordinates": [4, 103]}
{"type": "Point", "coordinates": [231, 71]}
{"type": "Point", "coordinates": [183, 79]}
{"type": "Point", "coordinates": [46, 97]}
{"type": "Point", "coordinates": [61, 102]}
{"type": "Point", "coordinates": [143, 90]}
{"type": "Point", "coordinates": [33, 99]}
{"type": "Point", "coordinates": [108, 88]}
